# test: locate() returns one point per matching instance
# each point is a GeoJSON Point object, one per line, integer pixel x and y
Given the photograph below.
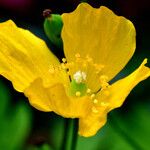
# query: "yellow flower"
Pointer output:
{"type": "Point", "coordinates": [97, 45]}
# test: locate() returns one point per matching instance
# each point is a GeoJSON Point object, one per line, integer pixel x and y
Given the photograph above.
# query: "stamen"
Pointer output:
{"type": "Point", "coordinates": [98, 68]}
{"type": "Point", "coordinates": [63, 66]}
{"type": "Point", "coordinates": [94, 110]}
{"type": "Point", "coordinates": [78, 94]}
{"type": "Point", "coordinates": [103, 78]}
{"type": "Point", "coordinates": [103, 81]}
{"type": "Point", "coordinates": [64, 60]}
{"type": "Point", "coordinates": [104, 85]}
{"type": "Point", "coordinates": [95, 101]}
{"type": "Point", "coordinates": [77, 55]}
{"type": "Point", "coordinates": [92, 96]}
{"type": "Point", "coordinates": [70, 65]}
{"type": "Point", "coordinates": [88, 91]}
{"type": "Point", "coordinates": [78, 85]}
{"type": "Point", "coordinates": [51, 70]}
{"type": "Point", "coordinates": [104, 104]}
{"type": "Point", "coordinates": [89, 59]}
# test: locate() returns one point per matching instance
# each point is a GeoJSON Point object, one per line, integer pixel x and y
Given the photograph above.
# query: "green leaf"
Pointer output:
{"type": "Point", "coordinates": [15, 122]}
{"type": "Point", "coordinates": [136, 126]}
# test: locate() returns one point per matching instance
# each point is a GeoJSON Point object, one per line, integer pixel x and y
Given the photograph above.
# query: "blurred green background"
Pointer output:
{"type": "Point", "coordinates": [128, 128]}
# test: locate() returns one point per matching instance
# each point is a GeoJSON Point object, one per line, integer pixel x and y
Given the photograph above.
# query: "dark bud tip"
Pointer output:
{"type": "Point", "coordinates": [47, 13]}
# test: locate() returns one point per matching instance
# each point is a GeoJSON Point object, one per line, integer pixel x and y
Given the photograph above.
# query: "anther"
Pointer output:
{"type": "Point", "coordinates": [51, 70]}
{"type": "Point", "coordinates": [78, 94]}
{"type": "Point", "coordinates": [104, 85]}
{"type": "Point", "coordinates": [63, 66]}
{"type": "Point", "coordinates": [103, 81]}
{"type": "Point", "coordinates": [77, 55]}
{"type": "Point", "coordinates": [98, 68]}
{"type": "Point", "coordinates": [92, 96]}
{"type": "Point", "coordinates": [94, 110]}
{"type": "Point", "coordinates": [89, 59]}
{"type": "Point", "coordinates": [103, 78]}
{"type": "Point", "coordinates": [88, 91]}
{"type": "Point", "coordinates": [104, 104]}
{"type": "Point", "coordinates": [95, 101]}
{"type": "Point", "coordinates": [64, 60]}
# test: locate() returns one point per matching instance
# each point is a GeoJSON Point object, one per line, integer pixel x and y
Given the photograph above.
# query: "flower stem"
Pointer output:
{"type": "Point", "coordinates": [75, 134]}
{"type": "Point", "coordinates": [70, 134]}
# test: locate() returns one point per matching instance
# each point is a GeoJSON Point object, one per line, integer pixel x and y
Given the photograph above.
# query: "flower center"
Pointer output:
{"type": "Point", "coordinates": [83, 72]}
{"type": "Point", "coordinates": [78, 86]}
{"type": "Point", "coordinates": [79, 77]}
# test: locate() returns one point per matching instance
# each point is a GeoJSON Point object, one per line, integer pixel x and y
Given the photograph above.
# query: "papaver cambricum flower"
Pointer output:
{"type": "Point", "coordinates": [97, 45]}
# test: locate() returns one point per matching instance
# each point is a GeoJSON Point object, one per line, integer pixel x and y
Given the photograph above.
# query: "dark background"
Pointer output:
{"type": "Point", "coordinates": [128, 128]}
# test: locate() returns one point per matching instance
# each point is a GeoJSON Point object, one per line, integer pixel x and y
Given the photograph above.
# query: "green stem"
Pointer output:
{"type": "Point", "coordinates": [65, 134]}
{"type": "Point", "coordinates": [70, 134]}
{"type": "Point", "coordinates": [75, 134]}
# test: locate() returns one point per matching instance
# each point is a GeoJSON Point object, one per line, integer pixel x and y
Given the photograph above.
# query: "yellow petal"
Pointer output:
{"type": "Point", "coordinates": [105, 37]}
{"type": "Point", "coordinates": [55, 98]}
{"type": "Point", "coordinates": [24, 57]}
{"type": "Point", "coordinates": [38, 96]}
{"type": "Point", "coordinates": [111, 98]}
{"type": "Point", "coordinates": [118, 91]}
{"type": "Point", "coordinates": [67, 106]}
{"type": "Point", "coordinates": [89, 125]}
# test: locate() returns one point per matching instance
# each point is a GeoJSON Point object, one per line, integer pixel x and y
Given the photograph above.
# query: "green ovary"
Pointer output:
{"type": "Point", "coordinates": [77, 87]}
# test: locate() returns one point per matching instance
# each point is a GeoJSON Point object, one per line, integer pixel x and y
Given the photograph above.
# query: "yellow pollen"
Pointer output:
{"type": "Point", "coordinates": [92, 96]}
{"type": "Point", "coordinates": [68, 72]}
{"type": "Point", "coordinates": [104, 85]}
{"type": "Point", "coordinates": [95, 101]}
{"type": "Point", "coordinates": [89, 59]}
{"type": "Point", "coordinates": [69, 65]}
{"type": "Point", "coordinates": [98, 68]}
{"type": "Point", "coordinates": [78, 93]}
{"type": "Point", "coordinates": [77, 55]}
{"type": "Point", "coordinates": [103, 81]}
{"type": "Point", "coordinates": [103, 78]}
{"type": "Point", "coordinates": [64, 60]}
{"type": "Point", "coordinates": [104, 104]}
{"type": "Point", "coordinates": [88, 91]}
{"type": "Point", "coordinates": [51, 70]}
{"type": "Point", "coordinates": [63, 66]}
{"type": "Point", "coordinates": [94, 110]}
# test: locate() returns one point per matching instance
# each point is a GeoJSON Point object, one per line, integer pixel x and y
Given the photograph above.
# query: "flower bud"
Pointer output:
{"type": "Point", "coordinates": [52, 27]}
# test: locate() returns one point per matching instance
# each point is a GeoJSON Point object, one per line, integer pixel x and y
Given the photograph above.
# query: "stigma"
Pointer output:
{"type": "Point", "coordinates": [79, 77]}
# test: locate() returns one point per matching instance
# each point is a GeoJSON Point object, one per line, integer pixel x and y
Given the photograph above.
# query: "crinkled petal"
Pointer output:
{"type": "Point", "coordinates": [100, 34]}
{"type": "Point", "coordinates": [38, 96]}
{"type": "Point", "coordinates": [24, 57]}
{"type": "Point", "coordinates": [55, 98]}
{"type": "Point", "coordinates": [121, 89]}
{"type": "Point", "coordinates": [111, 98]}
{"type": "Point", "coordinates": [90, 124]}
